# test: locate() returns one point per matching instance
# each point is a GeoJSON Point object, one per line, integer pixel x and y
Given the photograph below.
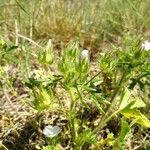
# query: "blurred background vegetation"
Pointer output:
{"type": "Point", "coordinates": [93, 22]}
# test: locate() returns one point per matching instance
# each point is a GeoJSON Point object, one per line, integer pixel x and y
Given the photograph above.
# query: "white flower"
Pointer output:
{"type": "Point", "coordinates": [51, 131]}
{"type": "Point", "coordinates": [85, 54]}
{"type": "Point", "coordinates": [146, 45]}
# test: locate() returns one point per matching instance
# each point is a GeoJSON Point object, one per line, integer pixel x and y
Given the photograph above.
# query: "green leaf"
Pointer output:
{"type": "Point", "coordinates": [124, 130]}
{"type": "Point", "coordinates": [125, 99]}
{"type": "Point", "coordinates": [138, 103]}
{"type": "Point", "coordinates": [129, 108]}
{"type": "Point", "coordinates": [120, 141]}
{"type": "Point", "coordinates": [128, 103]}
{"type": "Point", "coordinates": [47, 57]}
{"type": "Point", "coordinates": [137, 116]}
{"type": "Point", "coordinates": [85, 137]}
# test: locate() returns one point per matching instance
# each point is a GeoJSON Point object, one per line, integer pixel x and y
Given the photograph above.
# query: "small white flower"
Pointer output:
{"type": "Point", "coordinates": [51, 131]}
{"type": "Point", "coordinates": [146, 45]}
{"type": "Point", "coordinates": [85, 54]}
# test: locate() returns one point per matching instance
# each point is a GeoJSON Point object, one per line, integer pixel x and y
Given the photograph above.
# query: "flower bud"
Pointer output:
{"type": "Point", "coordinates": [84, 54]}
{"type": "Point", "coordinates": [84, 62]}
{"type": "Point", "coordinates": [73, 50]}
{"type": "Point", "coordinates": [42, 99]}
{"type": "Point", "coordinates": [46, 57]}
{"type": "Point", "coordinates": [63, 66]}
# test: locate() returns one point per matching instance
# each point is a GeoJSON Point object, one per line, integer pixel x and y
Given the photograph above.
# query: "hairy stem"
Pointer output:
{"type": "Point", "coordinates": [105, 118]}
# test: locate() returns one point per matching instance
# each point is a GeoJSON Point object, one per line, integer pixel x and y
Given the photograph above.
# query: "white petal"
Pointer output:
{"type": "Point", "coordinates": [85, 54]}
{"type": "Point", "coordinates": [51, 131]}
{"type": "Point", "coordinates": [146, 45]}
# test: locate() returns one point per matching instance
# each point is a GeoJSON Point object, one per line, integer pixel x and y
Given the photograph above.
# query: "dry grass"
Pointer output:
{"type": "Point", "coordinates": [96, 24]}
{"type": "Point", "coordinates": [90, 22]}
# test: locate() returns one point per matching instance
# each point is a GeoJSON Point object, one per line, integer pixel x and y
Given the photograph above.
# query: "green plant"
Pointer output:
{"type": "Point", "coordinates": [109, 92]}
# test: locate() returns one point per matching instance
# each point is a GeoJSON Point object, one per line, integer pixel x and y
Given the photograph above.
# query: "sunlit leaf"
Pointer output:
{"type": "Point", "coordinates": [125, 99]}
{"type": "Point", "coordinates": [130, 103]}
{"type": "Point", "coordinates": [137, 104]}
{"type": "Point", "coordinates": [137, 116]}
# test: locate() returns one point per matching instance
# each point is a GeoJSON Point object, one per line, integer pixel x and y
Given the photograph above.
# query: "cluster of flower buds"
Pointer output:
{"type": "Point", "coordinates": [46, 57]}
{"type": "Point", "coordinates": [73, 49]}
{"type": "Point", "coordinates": [42, 99]}
{"type": "Point", "coordinates": [74, 63]}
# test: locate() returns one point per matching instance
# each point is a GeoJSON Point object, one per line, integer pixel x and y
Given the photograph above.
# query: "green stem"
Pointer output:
{"type": "Point", "coordinates": [82, 90]}
{"type": "Point", "coordinates": [72, 127]}
{"type": "Point", "coordinates": [101, 125]}
{"type": "Point", "coordinates": [93, 78]}
{"type": "Point", "coordinates": [81, 98]}
{"type": "Point", "coordinates": [27, 64]}
{"type": "Point", "coordinates": [105, 118]}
